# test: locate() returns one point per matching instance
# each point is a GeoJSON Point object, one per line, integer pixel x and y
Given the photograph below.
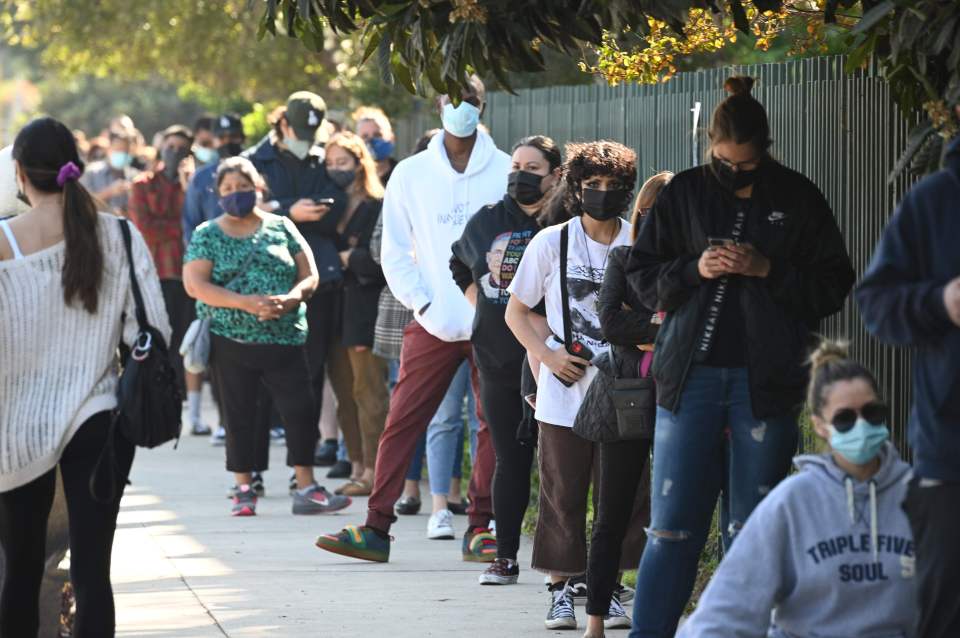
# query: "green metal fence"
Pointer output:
{"type": "Point", "coordinates": [841, 130]}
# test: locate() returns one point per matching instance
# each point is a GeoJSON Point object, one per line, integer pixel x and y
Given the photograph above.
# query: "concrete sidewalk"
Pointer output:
{"type": "Point", "coordinates": [183, 567]}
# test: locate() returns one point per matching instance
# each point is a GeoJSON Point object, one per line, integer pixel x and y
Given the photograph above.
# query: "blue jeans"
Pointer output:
{"type": "Point", "coordinates": [712, 445]}
{"type": "Point", "coordinates": [445, 432]}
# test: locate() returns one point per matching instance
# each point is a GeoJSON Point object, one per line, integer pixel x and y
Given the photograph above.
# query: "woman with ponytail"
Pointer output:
{"type": "Point", "coordinates": [745, 258]}
{"type": "Point", "coordinates": [829, 552]}
{"type": "Point", "coordinates": [65, 304]}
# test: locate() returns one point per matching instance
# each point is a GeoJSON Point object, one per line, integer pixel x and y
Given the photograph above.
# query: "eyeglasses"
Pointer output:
{"type": "Point", "coordinates": [874, 413]}
{"type": "Point", "coordinates": [747, 165]}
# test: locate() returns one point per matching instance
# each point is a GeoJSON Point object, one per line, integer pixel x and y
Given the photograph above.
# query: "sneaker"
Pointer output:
{"type": "Point", "coordinates": [617, 617]}
{"type": "Point", "coordinates": [277, 436]}
{"type": "Point", "coordinates": [200, 429]}
{"type": "Point", "coordinates": [440, 526]}
{"type": "Point", "coordinates": [357, 542]}
{"type": "Point", "coordinates": [319, 501]}
{"type": "Point", "coordinates": [561, 614]}
{"type": "Point", "coordinates": [502, 571]}
{"type": "Point", "coordinates": [408, 506]}
{"type": "Point", "coordinates": [460, 509]}
{"type": "Point", "coordinates": [479, 546]}
{"type": "Point", "coordinates": [219, 438]}
{"type": "Point", "coordinates": [578, 589]}
{"type": "Point", "coordinates": [340, 469]}
{"type": "Point", "coordinates": [624, 593]}
{"type": "Point", "coordinates": [326, 454]}
{"type": "Point", "coordinates": [245, 502]}
{"type": "Point", "coordinates": [256, 484]}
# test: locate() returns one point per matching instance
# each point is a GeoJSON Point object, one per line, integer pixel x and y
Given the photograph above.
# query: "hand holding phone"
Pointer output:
{"type": "Point", "coordinates": [325, 201]}
{"type": "Point", "coordinates": [569, 364]}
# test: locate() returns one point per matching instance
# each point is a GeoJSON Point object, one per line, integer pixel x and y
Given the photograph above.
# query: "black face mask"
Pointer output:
{"type": "Point", "coordinates": [604, 205]}
{"type": "Point", "coordinates": [343, 179]}
{"type": "Point", "coordinates": [732, 180]}
{"type": "Point", "coordinates": [171, 158]}
{"type": "Point", "coordinates": [230, 149]}
{"type": "Point", "coordinates": [524, 187]}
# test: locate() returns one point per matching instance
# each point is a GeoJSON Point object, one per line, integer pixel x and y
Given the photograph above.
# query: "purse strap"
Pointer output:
{"type": "Point", "coordinates": [134, 285]}
{"type": "Point", "coordinates": [564, 296]}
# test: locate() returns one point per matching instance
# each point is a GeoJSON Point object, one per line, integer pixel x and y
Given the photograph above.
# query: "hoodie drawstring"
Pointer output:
{"type": "Point", "coordinates": [873, 519]}
{"type": "Point", "coordinates": [848, 483]}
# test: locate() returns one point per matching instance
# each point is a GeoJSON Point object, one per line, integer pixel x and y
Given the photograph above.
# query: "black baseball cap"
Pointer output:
{"type": "Point", "coordinates": [228, 124]}
{"type": "Point", "coordinates": [305, 113]}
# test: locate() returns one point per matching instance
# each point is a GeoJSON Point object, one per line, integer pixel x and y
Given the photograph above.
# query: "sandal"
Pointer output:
{"type": "Point", "coordinates": [355, 487]}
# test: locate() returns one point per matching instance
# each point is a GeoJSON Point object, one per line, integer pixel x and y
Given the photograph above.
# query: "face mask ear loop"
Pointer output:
{"type": "Point", "coordinates": [873, 519]}
{"type": "Point", "coordinates": [848, 483]}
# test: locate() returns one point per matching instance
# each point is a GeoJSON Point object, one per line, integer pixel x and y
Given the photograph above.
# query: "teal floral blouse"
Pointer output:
{"type": "Point", "coordinates": [271, 271]}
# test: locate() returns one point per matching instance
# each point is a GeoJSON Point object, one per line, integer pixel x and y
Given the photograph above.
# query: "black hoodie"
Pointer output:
{"type": "Point", "coordinates": [497, 233]}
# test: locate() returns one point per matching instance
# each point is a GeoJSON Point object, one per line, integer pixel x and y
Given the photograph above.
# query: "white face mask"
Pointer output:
{"type": "Point", "coordinates": [460, 121]}
{"type": "Point", "coordinates": [299, 148]}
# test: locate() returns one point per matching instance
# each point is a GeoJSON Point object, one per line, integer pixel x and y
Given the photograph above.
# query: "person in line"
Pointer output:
{"type": "Point", "coordinates": [374, 127]}
{"type": "Point", "coordinates": [351, 167]}
{"type": "Point", "coordinates": [745, 257]}
{"type": "Point", "coordinates": [67, 303]}
{"type": "Point", "coordinates": [110, 180]}
{"type": "Point", "coordinates": [429, 200]}
{"type": "Point", "coordinates": [910, 296]}
{"type": "Point", "coordinates": [155, 207]}
{"type": "Point", "coordinates": [251, 273]}
{"type": "Point", "coordinates": [483, 265]}
{"type": "Point", "coordinates": [624, 485]}
{"type": "Point", "coordinates": [204, 149]}
{"type": "Point", "coordinates": [599, 179]}
{"type": "Point", "coordinates": [829, 537]}
{"type": "Point", "coordinates": [291, 163]}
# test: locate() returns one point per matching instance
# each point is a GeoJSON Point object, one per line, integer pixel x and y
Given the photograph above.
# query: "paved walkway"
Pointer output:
{"type": "Point", "coordinates": [182, 567]}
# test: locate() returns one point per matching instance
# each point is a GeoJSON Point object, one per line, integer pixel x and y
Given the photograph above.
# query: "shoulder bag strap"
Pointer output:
{"type": "Point", "coordinates": [564, 295]}
{"type": "Point", "coordinates": [134, 286]}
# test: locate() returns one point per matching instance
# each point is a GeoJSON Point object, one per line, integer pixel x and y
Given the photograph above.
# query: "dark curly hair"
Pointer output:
{"type": "Point", "coordinates": [587, 159]}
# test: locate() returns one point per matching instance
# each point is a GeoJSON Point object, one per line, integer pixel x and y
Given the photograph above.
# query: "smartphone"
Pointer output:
{"type": "Point", "coordinates": [577, 349]}
{"type": "Point", "coordinates": [325, 201]}
{"type": "Point", "coordinates": [716, 242]}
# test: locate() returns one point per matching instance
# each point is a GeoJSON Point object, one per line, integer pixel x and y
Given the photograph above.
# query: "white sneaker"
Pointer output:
{"type": "Point", "coordinates": [561, 614]}
{"type": "Point", "coordinates": [440, 526]}
{"type": "Point", "coordinates": [616, 617]}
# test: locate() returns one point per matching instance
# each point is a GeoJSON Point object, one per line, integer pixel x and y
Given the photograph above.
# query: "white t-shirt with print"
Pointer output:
{"type": "Point", "coordinates": [538, 277]}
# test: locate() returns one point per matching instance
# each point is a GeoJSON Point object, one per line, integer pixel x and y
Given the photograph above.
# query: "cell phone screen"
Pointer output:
{"type": "Point", "coordinates": [326, 201]}
{"type": "Point", "coordinates": [715, 242]}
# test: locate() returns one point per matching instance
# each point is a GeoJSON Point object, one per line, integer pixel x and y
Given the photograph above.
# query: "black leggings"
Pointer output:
{"type": "Point", "coordinates": [624, 497]}
{"type": "Point", "coordinates": [241, 370]}
{"type": "Point", "coordinates": [503, 409]}
{"type": "Point", "coordinates": [23, 531]}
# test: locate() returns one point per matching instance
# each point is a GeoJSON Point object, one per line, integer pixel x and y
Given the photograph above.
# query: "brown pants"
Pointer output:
{"type": "Point", "coordinates": [567, 465]}
{"type": "Point", "coordinates": [359, 381]}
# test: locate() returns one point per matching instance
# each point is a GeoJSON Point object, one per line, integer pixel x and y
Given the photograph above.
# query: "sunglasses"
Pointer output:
{"type": "Point", "coordinates": [874, 413]}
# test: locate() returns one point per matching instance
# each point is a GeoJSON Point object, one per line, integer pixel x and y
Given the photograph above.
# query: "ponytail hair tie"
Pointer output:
{"type": "Point", "coordinates": [68, 173]}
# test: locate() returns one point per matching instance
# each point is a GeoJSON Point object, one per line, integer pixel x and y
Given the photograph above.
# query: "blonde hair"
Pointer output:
{"type": "Point", "coordinates": [645, 198]}
{"type": "Point", "coordinates": [354, 144]}
{"type": "Point", "coordinates": [377, 115]}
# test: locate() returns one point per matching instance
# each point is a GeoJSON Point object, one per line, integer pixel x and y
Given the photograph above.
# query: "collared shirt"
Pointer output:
{"type": "Point", "coordinates": [100, 175]}
{"type": "Point", "coordinates": [155, 207]}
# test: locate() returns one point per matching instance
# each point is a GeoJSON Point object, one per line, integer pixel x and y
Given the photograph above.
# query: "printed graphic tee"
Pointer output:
{"type": "Point", "coordinates": [538, 277]}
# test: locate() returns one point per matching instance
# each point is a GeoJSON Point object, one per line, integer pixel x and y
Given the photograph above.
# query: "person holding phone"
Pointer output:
{"type": "Point", "coordinates": [599, 179]}
{"type": "Point", "coordinates": [730, 357]}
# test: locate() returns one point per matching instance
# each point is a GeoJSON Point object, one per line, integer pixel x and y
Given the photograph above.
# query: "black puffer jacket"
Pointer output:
{"type": "Point", "coordinates": [624, 328]}
{"type": "Point", "coordinates": [789, 222]}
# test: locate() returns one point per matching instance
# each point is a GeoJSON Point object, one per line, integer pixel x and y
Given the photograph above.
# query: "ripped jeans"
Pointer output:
{"type": "Point", "coordinates": [712, 446]}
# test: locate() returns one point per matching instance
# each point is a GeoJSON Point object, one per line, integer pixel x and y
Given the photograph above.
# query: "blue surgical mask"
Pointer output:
{"type": "Point", "coordinates": [119, 160]}
{"type": "Point", "coordinates": [861, 443]}
{"type": "Point", "coordinates": [205, 154]}
{"type": "Point", "coordinates": [381, 148]}
{"type": "Point", "coordinates": [239, 203]}
{"type": "Point", "coordinates": [299, 148]}
{"type": "Point", "coordinates": [461, 121]}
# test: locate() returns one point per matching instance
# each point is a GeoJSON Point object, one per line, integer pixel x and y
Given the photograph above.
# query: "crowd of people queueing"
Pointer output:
{"type": "Point", "coordinates": [655, 353]}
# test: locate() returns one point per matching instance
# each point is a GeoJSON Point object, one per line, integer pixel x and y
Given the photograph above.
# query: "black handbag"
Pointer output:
{"type": "Point", "coordinates": [149, 402]}
{"type": "Point", "coordinates": [635, 402]}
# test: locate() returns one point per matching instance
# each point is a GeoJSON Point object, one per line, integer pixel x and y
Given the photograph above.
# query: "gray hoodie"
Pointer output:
{"type": "Point", "coordinates": [822, 556]}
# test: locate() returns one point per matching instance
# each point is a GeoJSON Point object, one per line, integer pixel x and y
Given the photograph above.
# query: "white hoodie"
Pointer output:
{"type": "Point", "coordinates": [425, 210]}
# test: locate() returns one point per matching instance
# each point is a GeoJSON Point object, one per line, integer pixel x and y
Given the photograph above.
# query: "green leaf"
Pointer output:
{"type": "Point", "coordinates": [401, 73]}
{"type": "Point", "coordinates": [874, 16]}
{"type": "Point", "coordinates": [915, 142]}
{"type": "Point", "coordinates": [373, 41]}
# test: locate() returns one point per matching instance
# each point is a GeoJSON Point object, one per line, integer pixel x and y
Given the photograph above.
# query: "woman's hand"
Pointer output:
{"type": "Point", "coordinates": [565, 365]}
{"type": "Point", "coordinates": [743, 259]}
{"type": "Point", "coordinates": [276, 306]}
{"type": "Point", "coordinates": [345, 258]}
{"type": "Point", "coordinates": [645, 347]}
{"type": "Point", "coordinates": [711, 264]}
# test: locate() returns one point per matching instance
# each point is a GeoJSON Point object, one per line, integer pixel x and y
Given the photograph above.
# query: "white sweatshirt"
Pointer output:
{"type": "Point", "coordinates": [58, 363]}
{"type": "Point", "coordinates": [425, 210]}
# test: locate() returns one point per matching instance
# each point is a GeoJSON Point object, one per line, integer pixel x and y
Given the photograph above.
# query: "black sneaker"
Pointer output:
{"type": "Point", "coordinates": [460, 509]}
{"type": "Point", "coordinates": [502, 571]}
{"type": "Point", "coordinates": [326, 454]}
{"type": "Point", "coordinates": [561, 614]}
{"type": "Point", "coordinates": [408, 506]}
{"type": "Point", "coordinates": [578, 589]}
{"type": "Point", "coordinates": [340, 469]}
{"type": "Point", "coordinates": [616, 617]}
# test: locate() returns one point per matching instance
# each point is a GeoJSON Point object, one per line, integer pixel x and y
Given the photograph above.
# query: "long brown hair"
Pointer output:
{"type": "Point", "coordinates": [366, 166]}
{"type": "Point", "coordinates": [42, 148]}
{"type": "Point", "coordinates": [740, 118]}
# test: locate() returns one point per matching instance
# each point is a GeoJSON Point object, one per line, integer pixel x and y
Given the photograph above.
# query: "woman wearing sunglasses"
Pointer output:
{"type": "Point", "coordinates": [829, 552]}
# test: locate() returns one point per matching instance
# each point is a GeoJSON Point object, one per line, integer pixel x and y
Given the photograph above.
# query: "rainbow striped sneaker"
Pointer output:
{"type": "Point", "coordinates": [357, 542]}
{"type": "Point", "coordinates": [479, 546]}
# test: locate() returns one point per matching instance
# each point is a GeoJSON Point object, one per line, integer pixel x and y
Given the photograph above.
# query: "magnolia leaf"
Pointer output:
{"type": "Point", "coordinates": [874, 16]}
{"type": "Point", "coordinates": [915, 142]}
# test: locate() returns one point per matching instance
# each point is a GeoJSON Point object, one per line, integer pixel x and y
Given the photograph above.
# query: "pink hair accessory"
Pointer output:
{"type": "Point", "coordinates": [68, 172]}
